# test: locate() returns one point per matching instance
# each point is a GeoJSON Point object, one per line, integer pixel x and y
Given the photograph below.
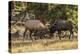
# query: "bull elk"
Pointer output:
{"type": "Point", "coordinates": [61, 25]}
{"type": "Point", "coordinates": [34, 26]}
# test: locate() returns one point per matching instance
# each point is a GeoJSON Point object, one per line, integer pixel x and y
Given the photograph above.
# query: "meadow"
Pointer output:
{"type": "Point", "coordinates": [18, 46]}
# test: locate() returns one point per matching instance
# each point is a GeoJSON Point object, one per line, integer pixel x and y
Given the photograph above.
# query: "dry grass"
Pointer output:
{"type": "Point", "coordinates": [43, 45]}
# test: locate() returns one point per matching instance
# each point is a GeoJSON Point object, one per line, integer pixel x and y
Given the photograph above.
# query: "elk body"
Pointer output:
{"type": "Point", "coordinates": [34, 26]}
{"type": "Point", "coordinates": [61, 25]}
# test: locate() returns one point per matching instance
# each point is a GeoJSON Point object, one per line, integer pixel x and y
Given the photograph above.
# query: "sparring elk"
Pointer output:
{"type": "Point", "coordinates": [61, 25]}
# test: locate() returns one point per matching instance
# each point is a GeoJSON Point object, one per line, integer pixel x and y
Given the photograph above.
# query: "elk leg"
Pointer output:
{"type": "Point", "coordinates": [71, 34]}
{"type": "Point", "coordinates": [35, 35]}
{"type": "Point", "coordinates": [31, 35]}
{"type": "Point", "coordinates": [59, 34]}
{"type": "Point", "coordinates": [24, 34]}
{"type": "Point", "coordinates": [41, 35]}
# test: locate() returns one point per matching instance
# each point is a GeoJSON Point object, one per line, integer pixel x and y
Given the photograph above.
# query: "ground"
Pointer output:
{"type": "Point", "coordinates": [43, 45]}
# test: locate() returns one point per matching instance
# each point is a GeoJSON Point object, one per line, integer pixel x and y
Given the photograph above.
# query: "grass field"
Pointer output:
{"type": "Point", "coordinates": [43, 45]}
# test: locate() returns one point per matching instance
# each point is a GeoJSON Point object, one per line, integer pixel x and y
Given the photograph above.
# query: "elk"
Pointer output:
{"type": "Point", "coordinates": [34, 26]}
{"type": "Point", "coordinates": [61, 25]}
